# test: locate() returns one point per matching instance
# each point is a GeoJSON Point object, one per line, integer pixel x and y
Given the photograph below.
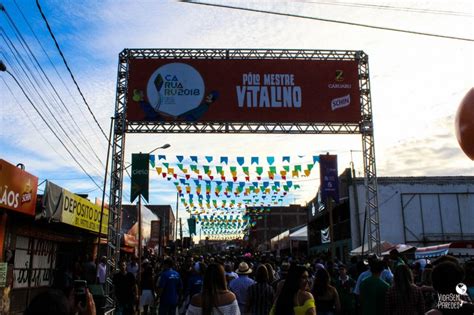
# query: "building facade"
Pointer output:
{"type": "Point", "coordinates": [274, 222]}
{"type": "Point", "coordinates": [419, 211]}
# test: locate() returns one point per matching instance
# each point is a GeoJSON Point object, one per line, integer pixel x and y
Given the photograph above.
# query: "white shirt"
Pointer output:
{"type": "Point", "coordinates": [101, 272]}
{"type": "Point", "coordinates": [229, 309]}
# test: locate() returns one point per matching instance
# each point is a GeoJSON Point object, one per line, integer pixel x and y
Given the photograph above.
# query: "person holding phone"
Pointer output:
{"type": "Point", "coordinates": [56, 302]}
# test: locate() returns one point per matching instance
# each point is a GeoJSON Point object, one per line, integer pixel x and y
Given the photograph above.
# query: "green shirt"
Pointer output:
{"type": "Point", "coordinates": [372, 295]}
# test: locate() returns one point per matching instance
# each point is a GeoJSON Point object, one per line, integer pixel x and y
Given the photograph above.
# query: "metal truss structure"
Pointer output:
{"type": "Point", "coordinates": [122, 126]}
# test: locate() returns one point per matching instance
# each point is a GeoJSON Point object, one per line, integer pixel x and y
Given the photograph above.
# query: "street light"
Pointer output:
{"type": "Point", "coordinates": [164, 146]}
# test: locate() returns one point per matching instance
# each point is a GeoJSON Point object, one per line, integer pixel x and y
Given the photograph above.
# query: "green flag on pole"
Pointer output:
{"type": "Point", "coordinates": [140, 176]}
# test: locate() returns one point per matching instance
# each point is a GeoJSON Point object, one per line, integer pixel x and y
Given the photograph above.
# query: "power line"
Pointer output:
{"type": "Point", "coordinates": [54, 67]}
{"type": "Point", "coordinates": [388, 7]}
{"type": "Point", "coordinates": [31, 120]}
{"type": "Point", "coordinates": [332, 21]}
{"type": "Point", "coordinates": [54, 133]}
{"type": "Point", "coordinates": [27, 47]}
{"type": "Point", "coordinates": [69, 69]}
{"type": "Point", "coordinates": [12, 47]}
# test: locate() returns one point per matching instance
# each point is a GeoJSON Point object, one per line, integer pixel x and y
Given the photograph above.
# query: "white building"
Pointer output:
{"type": "Point", "coordinates": [419, 211]}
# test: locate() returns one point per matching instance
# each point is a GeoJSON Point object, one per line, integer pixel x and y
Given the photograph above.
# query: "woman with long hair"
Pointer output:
{"type": "Point", "coordinates": [325, 295]}
{"type": "Point", "coordinates": [214, 299]}
{"type": "Point", "coordinates": [404, 297]}
{"type": "Point", "coordinates": [271, 273]}
{"type": "Point", "coordinates": [294, 297]}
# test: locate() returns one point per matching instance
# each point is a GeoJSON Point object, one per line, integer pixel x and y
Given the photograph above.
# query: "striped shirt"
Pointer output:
{"type": "Point", "coordinates": [260, 298]}
{"type": "Point", "coordinates": [239, 287]}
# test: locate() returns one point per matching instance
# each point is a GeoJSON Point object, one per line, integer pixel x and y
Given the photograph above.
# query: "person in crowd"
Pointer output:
{"type": "Point", "coordinates": [353, 270]}
{"type": "Point", "coordinates": [278, 283]}
{"type": "Point", "coordinates": [404, 298]}
{"type": "Point", "coordinates": [469, 280]}
{"type": "Point", "coordinates": [169, 288]}
{"type": "Point", "coordinates": [396, 258]}
{"type": "Point", "coordinates": [241, 285]}
{"type": "Point", "coordinates": [229, 273]}
{"type": "Point", "coordinates": [194, 285]}
{"type": "Point", "coordinates": [260, 294]}
{"type": "Point", "coordinates": [89, 270]}
{"type": "Point", "coordinates": [125, 290]}
{"type": "Point", "coordinates": [373, 290]}
{"type": "Point", "coordinates": [55, 302]}
{"type": "Point", "coordinates": [102, 271]}
{"type": "Point", "coordinates": [294, 297]}
{"type": "Point", "coordinates": [344, 285]}
{"type": "Point", "coordinates": [446, 276]}
{"type": "Point", "coordinates": [147, 298]}
{"type": "Point", "coordinates": [325, 295]}
{"type": "Point", "coordinates": [417, 271]}
{"type": "Point", "coordinates": [214, 299]}
{"type": "Point", "coordinates": [386, 274]}
{"type": "Point", "coordinates": [133, 267]}
{"type": "Point", "coordinates": [272, 276]}
{"type": "Point", "coordinates": [426, 286]}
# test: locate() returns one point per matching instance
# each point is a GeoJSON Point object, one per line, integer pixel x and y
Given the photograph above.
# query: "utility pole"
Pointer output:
{"type": "Point", "coordinates": [176, 235]}
{"type": "Point", "coordinates": [331, 228]}
{"type": "Point", "coordinates": [181, 232]}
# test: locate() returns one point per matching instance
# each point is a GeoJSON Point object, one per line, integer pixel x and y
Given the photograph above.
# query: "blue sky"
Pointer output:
{"type": "Point", "coordinates": [417, 82]}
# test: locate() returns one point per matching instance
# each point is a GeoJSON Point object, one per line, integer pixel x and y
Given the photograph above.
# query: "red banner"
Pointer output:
{"type": "Point", "coordinates": [301, 91]}
{"type": "Point", "coordinates": [18, 189]}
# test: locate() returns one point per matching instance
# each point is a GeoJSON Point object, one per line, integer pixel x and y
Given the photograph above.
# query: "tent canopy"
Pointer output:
{"type": "Point", "coordinates": [384, 246]}
{"type": "Point", "coordinates": [300, 235]}
{"type": "Point", "coordinates": [402, 248]}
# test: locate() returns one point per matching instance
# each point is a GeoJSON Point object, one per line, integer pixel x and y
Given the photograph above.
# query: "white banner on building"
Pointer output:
{"type": "Point", "coordinates": [325, 238]}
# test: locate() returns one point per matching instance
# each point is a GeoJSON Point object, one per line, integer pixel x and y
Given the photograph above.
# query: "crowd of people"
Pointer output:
{"type": "Point", "coordinates": [264, 285]}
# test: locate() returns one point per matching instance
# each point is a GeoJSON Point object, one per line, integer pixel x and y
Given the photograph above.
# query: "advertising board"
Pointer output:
{"type": "Point", "coordinates": [63, 206]}
{"type": "Point", "coordinates": [18, 189]}
{"type": "Point", "coordinates": [238, 90]}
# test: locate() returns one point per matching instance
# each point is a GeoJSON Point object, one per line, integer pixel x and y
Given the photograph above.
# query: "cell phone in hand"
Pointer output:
{"type": "Point", "coordinates": [80, 291]}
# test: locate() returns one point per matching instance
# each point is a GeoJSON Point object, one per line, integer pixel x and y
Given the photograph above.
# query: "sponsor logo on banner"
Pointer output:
{"type": "Point", "coordinates": [341, 102]}
{"type": "Point", "coordinates": [82, 213]}
{"type": "Point", "coordinates": [175, 88]}
{"type": "Point", "coordinates": [339, 77]}
{"type": "Point", "coordinates": [17, 189]}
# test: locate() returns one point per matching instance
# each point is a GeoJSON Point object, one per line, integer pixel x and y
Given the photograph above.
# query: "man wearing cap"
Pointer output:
{"type": "Point", "coordinates": [240, 285]}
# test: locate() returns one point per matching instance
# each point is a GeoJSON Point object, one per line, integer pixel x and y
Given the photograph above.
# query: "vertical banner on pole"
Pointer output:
{"type": "Point", "coordinates": [192, 226]}
{"type": "Point", "coordinates": [329, 177]}
{"type": "Point", "coordinates": [140, 176]}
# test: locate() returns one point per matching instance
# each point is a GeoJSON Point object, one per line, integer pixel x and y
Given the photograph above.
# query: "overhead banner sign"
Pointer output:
{"type": "Point", "coordinates": [140, 176]}
{"type": "Point", "coordinates": [329, 179]}
{"type": "Point", "coordinates": [264, 90]}
{"type": "Point", "coordinates": [63, 206]}
{"type": "Point", "coordinates": [18, 189]}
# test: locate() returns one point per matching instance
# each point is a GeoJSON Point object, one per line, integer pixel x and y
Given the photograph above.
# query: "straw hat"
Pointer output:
{"type": "Point", "coordinates": [244, 269]}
